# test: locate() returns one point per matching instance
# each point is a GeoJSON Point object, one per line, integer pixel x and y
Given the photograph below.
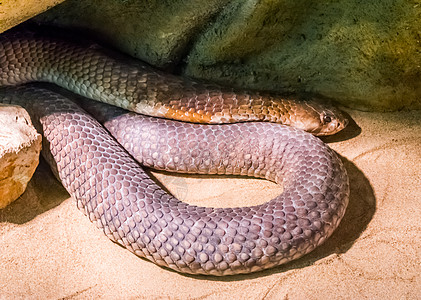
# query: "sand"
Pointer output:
{"type": "Point", "coordinates": [50, 250]}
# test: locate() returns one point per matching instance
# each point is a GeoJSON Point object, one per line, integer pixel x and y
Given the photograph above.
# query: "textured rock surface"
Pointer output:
{"type": "Point", "coordinates": [20, 146]}
{"type": "Point", "coordinates": [363, 54]}
{"type": "Point", "coordinates": [13, 12]}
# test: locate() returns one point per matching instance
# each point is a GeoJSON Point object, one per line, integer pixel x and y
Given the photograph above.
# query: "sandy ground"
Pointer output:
{"type": "Point", "coordinates": [50, 250]}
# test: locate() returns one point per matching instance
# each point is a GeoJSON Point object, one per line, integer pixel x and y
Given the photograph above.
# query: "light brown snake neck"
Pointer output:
{"type": "Point", "coordinates": [119, 197]}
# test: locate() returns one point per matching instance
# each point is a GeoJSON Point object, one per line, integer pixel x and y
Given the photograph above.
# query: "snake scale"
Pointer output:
{"type": "Point", "coordinates": [113, 190]}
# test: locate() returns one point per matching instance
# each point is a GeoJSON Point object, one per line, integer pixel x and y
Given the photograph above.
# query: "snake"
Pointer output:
{"type": "Point", "coordinates": [98, 152]}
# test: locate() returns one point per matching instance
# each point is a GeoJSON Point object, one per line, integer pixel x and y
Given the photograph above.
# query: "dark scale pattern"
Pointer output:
{"type": "Point", "coordinates": [99, 74]}
{"type": "Point", "coordinates": [116, 194]}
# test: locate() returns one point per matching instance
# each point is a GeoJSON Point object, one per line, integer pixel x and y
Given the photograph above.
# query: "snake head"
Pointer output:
{"type": "Point", "coordinates": [331, 122]}
{"type": "Point", "coordinates": [319, 118]}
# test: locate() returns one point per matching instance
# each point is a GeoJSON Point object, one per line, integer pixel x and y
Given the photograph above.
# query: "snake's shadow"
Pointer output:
{"type": "Point", "coordinates": [361, 208]}
{"type": "Point", "coordinates": [44, 192]}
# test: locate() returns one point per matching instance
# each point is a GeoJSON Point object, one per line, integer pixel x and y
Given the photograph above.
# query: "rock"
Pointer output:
{"type": "Point", "coordinates": [20, 146]}
{"type": "Point", "coordinates": [364, 55]}
{"type": "Point", "coordinates": [158, 32]}
{"type": "Point", "coordinates": [13, 12]}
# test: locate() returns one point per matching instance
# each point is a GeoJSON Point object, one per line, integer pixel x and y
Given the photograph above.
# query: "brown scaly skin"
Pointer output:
{"type": "Point", "coordinates": [96, 73]}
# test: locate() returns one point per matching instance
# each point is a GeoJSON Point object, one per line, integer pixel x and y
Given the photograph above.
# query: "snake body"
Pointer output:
{"type": "Point", "coordinates": [118, 196]}
{"type": "Point", "coordinates": [94, 72]}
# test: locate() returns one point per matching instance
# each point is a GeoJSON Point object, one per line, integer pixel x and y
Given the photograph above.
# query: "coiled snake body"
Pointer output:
{"type": "Point", "coordinates": [116, 194]}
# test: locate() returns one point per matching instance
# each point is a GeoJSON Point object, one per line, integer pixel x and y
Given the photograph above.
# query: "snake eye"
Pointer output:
{"type": "Point", "coordinates": [326, 119]}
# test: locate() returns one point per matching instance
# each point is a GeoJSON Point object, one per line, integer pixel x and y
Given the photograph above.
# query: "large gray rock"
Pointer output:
{"type": "Point", "coordinates": [363, 54]}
